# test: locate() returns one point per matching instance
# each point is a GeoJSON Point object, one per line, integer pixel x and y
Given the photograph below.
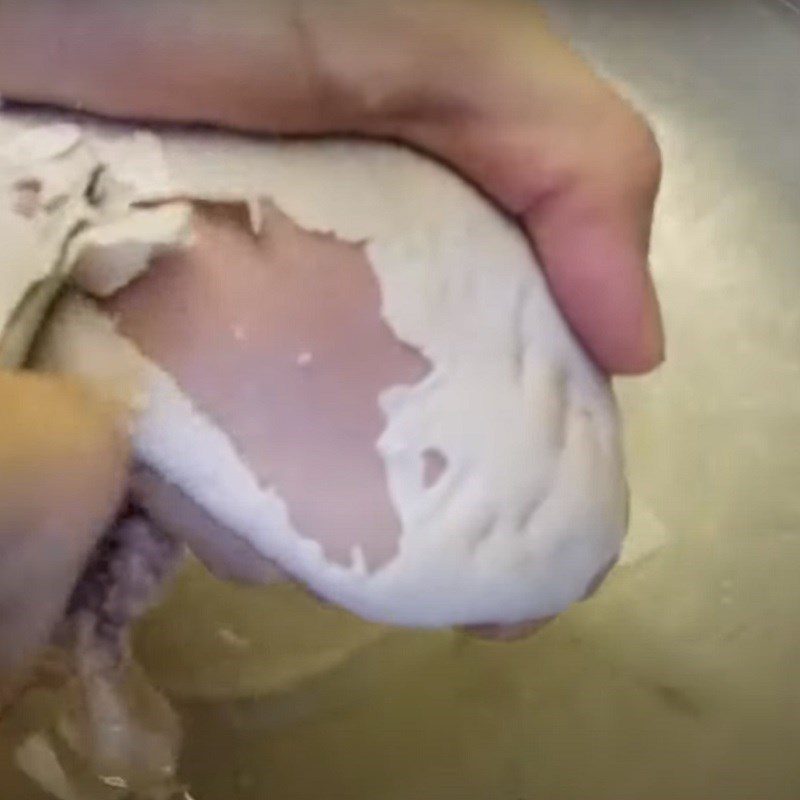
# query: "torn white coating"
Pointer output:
{"type": "Point", "coordinates": [78, 220]}
{"type": "Point", "coordinates": [109, 255]}
{"type": "Point", "coordinates": [532, 502]}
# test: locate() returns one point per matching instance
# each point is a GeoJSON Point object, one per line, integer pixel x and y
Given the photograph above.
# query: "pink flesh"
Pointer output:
{"type": "Point", "coordinates": [279, 340]}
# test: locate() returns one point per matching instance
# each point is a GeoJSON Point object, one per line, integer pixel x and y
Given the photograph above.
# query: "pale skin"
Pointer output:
{"type": "Point", "coordinates": [483, 85]}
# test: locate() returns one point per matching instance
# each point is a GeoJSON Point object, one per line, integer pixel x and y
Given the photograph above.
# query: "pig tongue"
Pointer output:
{"type": "Point", "coordinates": [278, 338]}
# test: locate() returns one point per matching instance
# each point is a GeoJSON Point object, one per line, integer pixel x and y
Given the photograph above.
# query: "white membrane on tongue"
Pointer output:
{"type": "Point", "coordinates": [531, 502]}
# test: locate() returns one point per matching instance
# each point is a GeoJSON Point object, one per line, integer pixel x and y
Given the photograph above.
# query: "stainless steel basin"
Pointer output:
{"type": "Point", "coordinates": [681, 679]}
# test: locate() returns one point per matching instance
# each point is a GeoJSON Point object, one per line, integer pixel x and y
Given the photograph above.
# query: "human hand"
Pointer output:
{"type": "Point", "coordinates": [63, 463]}
{"type": "Point", "coordinates": [486, 86]}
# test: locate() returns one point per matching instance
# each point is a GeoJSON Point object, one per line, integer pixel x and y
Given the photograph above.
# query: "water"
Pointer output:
{"type": "Point", "coordinates": [680, 679]}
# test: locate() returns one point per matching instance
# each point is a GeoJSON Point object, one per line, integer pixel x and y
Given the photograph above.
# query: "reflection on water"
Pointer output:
{"type": "Point", "coordinates": [680, 678]}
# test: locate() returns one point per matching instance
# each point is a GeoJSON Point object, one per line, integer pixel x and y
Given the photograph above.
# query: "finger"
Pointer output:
{"type": "Point", "coordinates": [62, 472]}
{"type": "Point", "coordinates": [245, 65]}
{"type": "Point", "coordinates": [550, 143]}
{"type": "Point", "coordinates": [592, 236]}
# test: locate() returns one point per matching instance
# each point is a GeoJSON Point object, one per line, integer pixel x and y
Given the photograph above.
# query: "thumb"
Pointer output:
{"type": "Point", "coordinates": [63, 463]}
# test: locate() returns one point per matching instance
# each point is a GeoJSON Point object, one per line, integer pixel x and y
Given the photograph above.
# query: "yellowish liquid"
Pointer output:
{"type": "Point", "coordinates": [680, 679]}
